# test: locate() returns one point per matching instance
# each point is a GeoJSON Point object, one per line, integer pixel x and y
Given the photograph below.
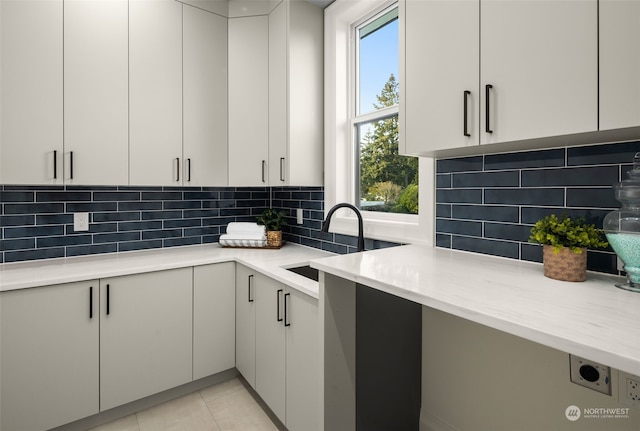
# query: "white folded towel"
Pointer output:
{"type": "Point", "coordinates": [244, 234]}
{"type": "Point", "coordinates": [235, 228]}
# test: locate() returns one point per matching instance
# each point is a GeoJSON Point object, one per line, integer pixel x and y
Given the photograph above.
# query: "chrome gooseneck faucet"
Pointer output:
{"type": "Point", "coordinates": [327, 221]}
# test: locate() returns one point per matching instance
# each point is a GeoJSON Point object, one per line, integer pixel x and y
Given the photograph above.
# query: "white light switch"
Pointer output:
{"type": "Point", "coordinates": [299, 216]}
{"type": "Point", "coordinates": [80, 222]}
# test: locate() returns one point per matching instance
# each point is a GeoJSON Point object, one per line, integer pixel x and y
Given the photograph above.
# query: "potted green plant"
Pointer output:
{"type": "Point", "coordinates": [273, 221]}
{"type": "Point", "coordinates": [565, 242]}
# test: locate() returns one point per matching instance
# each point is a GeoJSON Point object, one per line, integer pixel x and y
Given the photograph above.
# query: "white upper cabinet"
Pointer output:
{"type": "Point", "coordinates": [539, 69]}
{"type": "Point", "coordinates": [619, 64]}
{"type": "Point", "coordinates": [31, 141]}
{"type": "Point", "coordinates": [155, 92]}
{"type": "Point", "coordinates": [440, 89]}
{"type": "Point", "coordinates": [95, 92]}
{"type": "Point", "coordinates": [296, 94]}
{"type": "Point", "coordinates": [248, 101]}
{"type": "Point", "coordinates": [205, 98]}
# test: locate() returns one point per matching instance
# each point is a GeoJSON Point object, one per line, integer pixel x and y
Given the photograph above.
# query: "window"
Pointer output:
{"type": "Point", "coordinates": [385, 181]}
{"type": "Point", "coordinates": [363, 48]}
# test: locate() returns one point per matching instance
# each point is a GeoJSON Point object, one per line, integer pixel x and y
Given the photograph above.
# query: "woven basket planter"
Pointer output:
{"type": "Point", "coordinates": [564, 265]}
{"type": "Point", "coordinates": [274, 238]}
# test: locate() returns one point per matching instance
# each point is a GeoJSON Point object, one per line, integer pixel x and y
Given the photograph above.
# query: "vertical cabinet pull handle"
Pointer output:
{"type": "Point", "coordinates": [263, 169]}
{"type": "Point", "coordinates": [177, 168]}
{"type": "Point", "coordinates": [278, 318]}
{"type": "Point", "coordinates": [487, 94]}
{"type": "Point", "coordinates": [189, 169]}
{"type": "Point", "coordinates": [281, 168]}
{"type": "Point", "coordinates": [465, 114]}
{"type": "Point", "coordinates": [55, 164]}
{"type": "Point", "coordinates": [108, 300]}
{"type": "Point", "coordinates": [249, 284]}
{"type": "Point", "coordinates": [70, 165]}
{"type": "Point", "coordinates": [90, 302]}
{"type": "Point", "coordinates": [287, 321]}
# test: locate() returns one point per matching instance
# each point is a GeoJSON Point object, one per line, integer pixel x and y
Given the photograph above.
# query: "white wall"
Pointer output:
{"type": "Point", "coordinates": [475, 378]}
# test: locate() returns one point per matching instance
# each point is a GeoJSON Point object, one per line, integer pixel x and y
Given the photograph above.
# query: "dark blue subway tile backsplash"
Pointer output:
{"type": "Point", "coordinates": [36, 222]}
{"type": "Point", "coordinates": [488, 204]}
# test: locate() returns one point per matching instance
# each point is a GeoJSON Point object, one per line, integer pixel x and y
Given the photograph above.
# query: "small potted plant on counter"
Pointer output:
{"type": "Point", "coordinates": [565, 243]}
{"type": "Point", "coordinates": [273, 221]}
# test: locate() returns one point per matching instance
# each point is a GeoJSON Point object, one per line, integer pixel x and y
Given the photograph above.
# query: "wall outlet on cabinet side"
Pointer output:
{"type": "Point", "coordinates": [629, 389]}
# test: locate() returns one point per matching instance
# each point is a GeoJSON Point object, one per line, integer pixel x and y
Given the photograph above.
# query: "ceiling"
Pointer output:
{"type": "Point", "coordinates": [322, 3]}
{"type": "Point", "coordinates": [234, 8]}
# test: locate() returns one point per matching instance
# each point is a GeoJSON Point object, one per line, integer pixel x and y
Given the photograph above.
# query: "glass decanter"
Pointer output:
{"type": "Point", "coordinates": [622, 227]}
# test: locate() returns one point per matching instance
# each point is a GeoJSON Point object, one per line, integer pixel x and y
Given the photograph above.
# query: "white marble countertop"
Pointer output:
{"type": "Point", "coordinates": [65, 270]}
{"type": "Point", "coordinates": [592, 319]}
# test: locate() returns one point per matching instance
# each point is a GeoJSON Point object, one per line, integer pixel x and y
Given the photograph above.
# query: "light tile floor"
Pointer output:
{"type": "Point", "coordinates": [227, 406]}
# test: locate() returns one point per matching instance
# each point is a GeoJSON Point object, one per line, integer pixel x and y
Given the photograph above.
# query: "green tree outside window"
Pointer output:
{"type": "Point", "coordinates": [388, 181]}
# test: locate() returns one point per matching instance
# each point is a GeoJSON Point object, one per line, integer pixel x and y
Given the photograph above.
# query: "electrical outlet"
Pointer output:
{"type": "Point", "coordinates": [80, 222]}
{"type": "Point", "coordinates": [590, 374]}
{"type": "Point", "coordinates": [299, 215]}
{"type": "Point", "coordinates": [629, 389]}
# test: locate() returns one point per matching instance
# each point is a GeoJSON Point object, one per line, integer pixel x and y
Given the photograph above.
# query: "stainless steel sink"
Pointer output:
{"type": "Point", "coordinates": [305, 271]}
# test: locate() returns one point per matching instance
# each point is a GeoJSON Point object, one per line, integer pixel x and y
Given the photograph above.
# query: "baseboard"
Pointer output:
{"type": "Point", "coordinates": [144, 403]}
{"type": "Point", "coordinates": [431, 422]}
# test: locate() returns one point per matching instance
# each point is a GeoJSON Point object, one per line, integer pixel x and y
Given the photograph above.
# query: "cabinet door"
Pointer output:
{"type": "Point", "coordinates": [619, 63]}
{"type": "Point", "coordinates": [155, 92]}
{"type": "Point", "coordinates": [270, 343]}
{"type": "Point", "coordinates": [541, 59]}
{"type": "Point", "coordinates": [214, 293]}
{"type": "Point", "coordinates": [31, 92]}
{"type": "Point", "coordinates": [246, 324]}
{"type": "Point", "coordinates": [49, 355]}
{"type": "Point", "coordinates": [440, 96]}
{"type": "Point", "coordinates": [278, 95]}
{"type": "Point", "coordinates": [305, 94]}
{"type": "Point", "coordinates": [145, 335]}
{"type": "Point", "coordinates": [96, 105]}
{"type": "Point", "coordinates": [248, 101]}
{"type": "Point", "coordinates": [303, 364]}
{"type": "Point", "coordinates": [205, 98]}
{"type": "Point", "coordinates": [296, 94]}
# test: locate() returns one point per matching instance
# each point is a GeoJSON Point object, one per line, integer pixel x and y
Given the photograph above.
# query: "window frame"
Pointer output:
{"type": "Point", "coordinates": [341, 19]}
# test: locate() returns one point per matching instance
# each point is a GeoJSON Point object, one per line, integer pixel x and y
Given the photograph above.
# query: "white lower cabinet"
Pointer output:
{"type": "Point", "coordinates": [270, 344]}
{"type": "Point", "coordinates": [303, 362]}
{"type": "Point", "coordinates": [245, 324]}
{"type": "Point", "coordinates": [49, 355]}
{"type": "Point", "coordinates": [145, 335]}
{"type": "Point", "coordinates": [214, 294]}
{"type": "Point", "coordinates": [285, 363]}
{"type": "Point", "coordinates": [73, 350]}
